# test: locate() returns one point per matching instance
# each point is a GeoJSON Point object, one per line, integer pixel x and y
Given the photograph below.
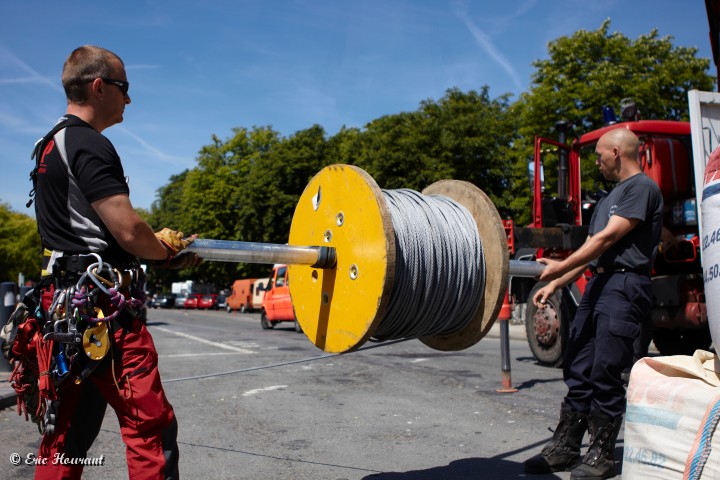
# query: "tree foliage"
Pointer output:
{"type": "Point", "coordinates": [590, 70]}
{"type": "Point", "coordinates": [20, 249]}
{"type": "Point", "coordinates": [463, 136]}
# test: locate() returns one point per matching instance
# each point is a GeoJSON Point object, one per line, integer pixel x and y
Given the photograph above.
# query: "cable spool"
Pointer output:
{"type": "Point", "coordinates": [340, 309]}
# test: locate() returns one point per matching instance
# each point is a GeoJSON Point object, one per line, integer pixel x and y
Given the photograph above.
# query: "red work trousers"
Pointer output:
{"type": "Point", "coordinates": [147, 421]}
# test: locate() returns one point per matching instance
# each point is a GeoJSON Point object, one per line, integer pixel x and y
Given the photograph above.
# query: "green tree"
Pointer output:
{"type": "Point", "coordinates": [391, 153]}
{"type": "Point", "coordinates": [206, 200]}
{"type": "Point", "coordinates": [469, 134]}
{"type": "Point", "coordinates": [462, 136]}
{"type": "Point", "coordinates": [592, 69]}
{"type": "Point", "coordinates": [167, 210]}
{"type": "Point", "coordinates": [20, 249]}
{"type": "Point", "coordinates": [276, 181]}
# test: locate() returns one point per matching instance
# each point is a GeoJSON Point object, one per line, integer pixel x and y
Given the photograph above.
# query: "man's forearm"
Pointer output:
{"type": "Point", "coordinates": [570, 276]}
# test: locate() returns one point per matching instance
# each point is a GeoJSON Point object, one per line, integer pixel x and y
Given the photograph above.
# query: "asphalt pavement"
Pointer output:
{"type": "Point", "coordinates": [267, 404]}
{"type": "Point", "coordinates": [8, 397]}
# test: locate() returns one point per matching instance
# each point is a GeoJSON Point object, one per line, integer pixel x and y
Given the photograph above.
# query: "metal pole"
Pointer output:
{"type": "Point", "coordinates": [506, 371]}
{"type": "Point", "coordinates": [518, 268]}
{"type": "Point", "coordinates": [319, 257]}
{"type": "Point", "coordinates": [249, 252]}
{"type": "Point", "coordinates": [525, 268]}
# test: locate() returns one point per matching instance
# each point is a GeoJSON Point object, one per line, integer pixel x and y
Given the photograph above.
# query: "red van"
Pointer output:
{"type": "Point", "coordinates": [276, 305]}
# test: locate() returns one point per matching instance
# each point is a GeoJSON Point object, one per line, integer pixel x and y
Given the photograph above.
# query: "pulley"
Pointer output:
{"type": "Point", "coordinates": [96, 338]}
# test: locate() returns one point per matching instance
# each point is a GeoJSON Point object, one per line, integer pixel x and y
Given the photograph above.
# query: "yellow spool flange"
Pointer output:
{"type": "Point", "coordinates": [339, 309]}
{"type": "Point", "coordinates": [96, 341]}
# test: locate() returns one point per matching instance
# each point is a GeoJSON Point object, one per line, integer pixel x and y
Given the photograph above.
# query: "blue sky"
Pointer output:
{"type": "Point", "coordinates": [198, 68]}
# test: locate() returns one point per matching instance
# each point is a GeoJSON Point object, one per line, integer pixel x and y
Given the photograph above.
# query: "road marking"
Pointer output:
{"type": "Point", "coordinates": [200, 354]}
{"type": "Point", "coordinates": [205, 341]}
{"type": "Point", "coordinates": [266, 389]}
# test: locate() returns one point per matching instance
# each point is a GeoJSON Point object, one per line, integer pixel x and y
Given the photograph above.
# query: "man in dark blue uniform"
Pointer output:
{"type": "Point", "coordinates": [620, 249]}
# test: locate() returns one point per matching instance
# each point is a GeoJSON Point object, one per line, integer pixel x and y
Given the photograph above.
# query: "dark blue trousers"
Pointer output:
{"type": "Point", "coordinates": [600, 341]}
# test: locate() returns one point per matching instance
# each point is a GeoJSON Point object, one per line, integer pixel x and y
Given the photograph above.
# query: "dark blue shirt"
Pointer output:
{"type": "Point", "coordinates": [637, 197]}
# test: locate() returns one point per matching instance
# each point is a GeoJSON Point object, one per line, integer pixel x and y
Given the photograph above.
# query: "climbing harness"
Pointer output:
{"type": "Point", "coordinates": [72, 337]}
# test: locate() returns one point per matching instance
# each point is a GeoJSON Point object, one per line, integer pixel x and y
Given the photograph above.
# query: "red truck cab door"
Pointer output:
{"type": "Point", "coordinates": [556, 188]}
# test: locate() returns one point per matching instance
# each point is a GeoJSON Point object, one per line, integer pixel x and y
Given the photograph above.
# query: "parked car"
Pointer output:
{"type": "Point", "coordinates": [221, 302]}
{"type": "Point", "coordinates": [192, 301]}
{"type": "Point", "coordinates": [164, 300]}
{"type": "Point", "coordinates": [208, 301]}
{"type": "Point", "coordinates": [180, 300]}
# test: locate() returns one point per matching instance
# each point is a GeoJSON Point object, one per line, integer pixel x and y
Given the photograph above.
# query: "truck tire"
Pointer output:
{"type": "Point", "coordinates": [265, 323]}
{"type": "Point", "coordinates": [547, 328]}
{"type": "Point", "coordinates": [681, 341]}
{"type": "Point", "coordinates": [229, 309]}
{"type": "Point", "coordinates": [243, 308]}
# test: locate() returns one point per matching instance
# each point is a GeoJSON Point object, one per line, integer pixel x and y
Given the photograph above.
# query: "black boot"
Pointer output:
{"type": "Point", "coordinates": [562, 453]}
{"type": "Point", "coordinates": [599, 461]}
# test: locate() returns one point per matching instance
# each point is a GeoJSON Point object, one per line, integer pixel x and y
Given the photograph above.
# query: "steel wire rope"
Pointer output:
{"type": "Point", "coordinates": [281, 364]}
{"type": "Point", "coordinates": [439, 269]}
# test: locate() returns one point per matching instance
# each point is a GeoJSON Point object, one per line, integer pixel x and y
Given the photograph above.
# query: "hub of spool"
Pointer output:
{"type": "Point", "coordinates": [339, 309]}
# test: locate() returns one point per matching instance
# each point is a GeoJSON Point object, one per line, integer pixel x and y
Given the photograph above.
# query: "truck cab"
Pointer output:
{"type": "Point", "coordinates": [565, 190]}
{"type": "Point", "coordinates": [276, 304]}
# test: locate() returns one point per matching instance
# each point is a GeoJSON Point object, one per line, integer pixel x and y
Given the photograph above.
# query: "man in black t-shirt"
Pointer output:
{"type": "Point", "coordinates": [623, 239]}
{"type": "Point", "coordinates": [84, 213]}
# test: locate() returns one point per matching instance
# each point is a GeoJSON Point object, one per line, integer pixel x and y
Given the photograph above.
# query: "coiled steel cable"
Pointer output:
{"type": "Point", "coordinates": [440, 268]}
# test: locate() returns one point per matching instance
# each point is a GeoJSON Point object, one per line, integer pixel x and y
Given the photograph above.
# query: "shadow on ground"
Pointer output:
{"type": "Point", "coordinates": [465, 469]}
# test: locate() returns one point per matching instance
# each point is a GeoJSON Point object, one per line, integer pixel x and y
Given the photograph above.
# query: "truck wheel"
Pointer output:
{"type": "Point", "coordinates": [229, 309]}
{"type": "Point", "coordinates": [681, 341]}
{"type": "Point", "coordinates": [547, 328]}
{"type": "Point", "coordinates": [243, 309]}
{"type": "Point", "coordinates": [264, 322]}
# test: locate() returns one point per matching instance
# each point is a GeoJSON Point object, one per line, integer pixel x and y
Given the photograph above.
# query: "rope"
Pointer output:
{"type": "Point", "coordinates": [275, 365]}
{"type": "Point", "coordinates": [440, 268]}
{"type": "Point", "coordinates": [700, 451]}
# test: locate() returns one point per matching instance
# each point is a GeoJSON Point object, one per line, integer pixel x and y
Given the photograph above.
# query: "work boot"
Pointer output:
{"type": "Point", "coordinates": [562, 453]}
{"type": "Point", "coordinates": [599, 461]}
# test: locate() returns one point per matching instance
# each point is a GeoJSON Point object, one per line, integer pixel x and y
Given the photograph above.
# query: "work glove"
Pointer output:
{"type": "Point", "coordinates": [175, 243]}
{"type": "Point", "coordinates": [184, 260]}
{"type": "Point", "coordinates": [173, 240]}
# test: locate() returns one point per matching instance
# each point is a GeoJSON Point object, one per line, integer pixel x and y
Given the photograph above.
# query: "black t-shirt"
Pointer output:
{"type": "Point", "coordinates": [635, 197]}
{"type": "Point", "coordinates": [77, 167]}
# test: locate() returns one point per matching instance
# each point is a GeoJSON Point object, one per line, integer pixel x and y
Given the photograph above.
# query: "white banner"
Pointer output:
{"type": "Point", "coordinates": [705, 129]}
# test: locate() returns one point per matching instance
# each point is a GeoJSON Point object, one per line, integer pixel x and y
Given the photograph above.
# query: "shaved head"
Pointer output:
{"type": "Point", "coordinates": [626, 141]}
{"type": "Point", "coordinates": [617, 154]}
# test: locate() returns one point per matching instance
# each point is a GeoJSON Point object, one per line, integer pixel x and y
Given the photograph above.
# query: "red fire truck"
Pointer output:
{"type": "Point", "coordinates": [677, 323]}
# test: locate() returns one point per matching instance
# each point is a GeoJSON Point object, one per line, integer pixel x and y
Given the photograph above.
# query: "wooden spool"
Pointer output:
{"type": "Point", "coordinates": [339, 309]}
{"type": "Point", "coordinates": [497, 261]}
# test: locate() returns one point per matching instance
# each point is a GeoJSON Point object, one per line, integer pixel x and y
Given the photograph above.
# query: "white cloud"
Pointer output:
{"type": "Point", "coordinates": [487, 44]}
